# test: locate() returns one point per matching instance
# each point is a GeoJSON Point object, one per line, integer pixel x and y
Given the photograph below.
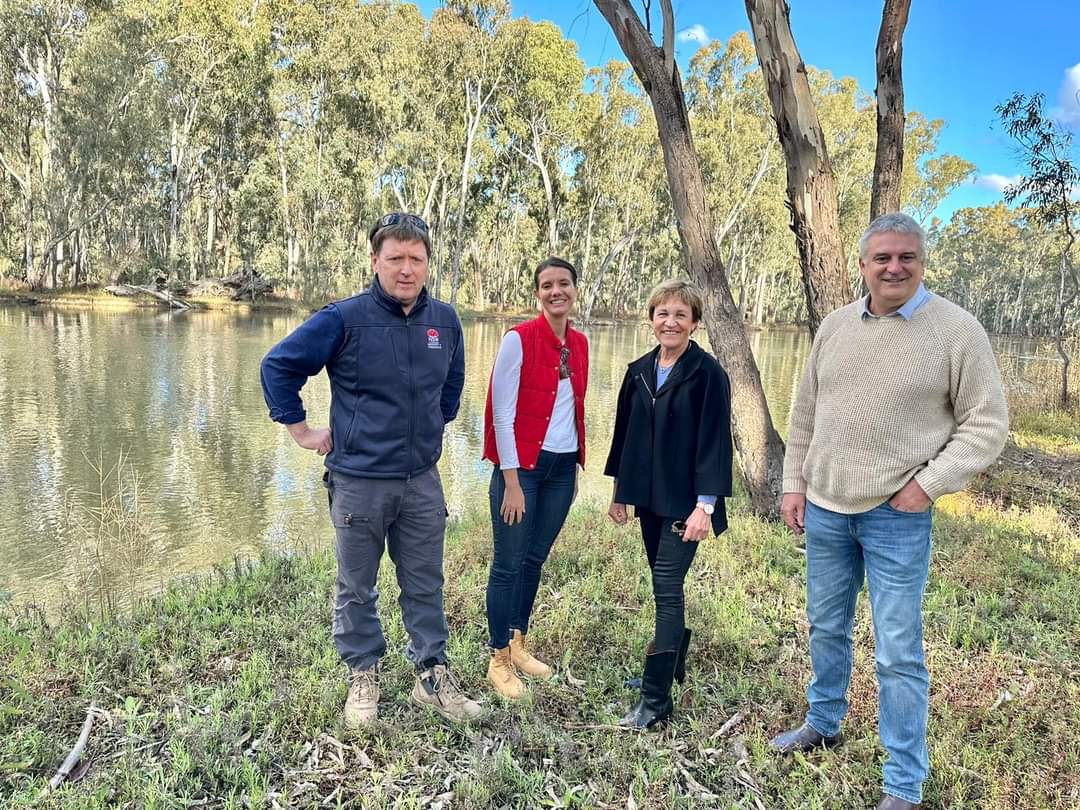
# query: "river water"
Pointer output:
{"type": "Point", "coordinates": [135, 447]}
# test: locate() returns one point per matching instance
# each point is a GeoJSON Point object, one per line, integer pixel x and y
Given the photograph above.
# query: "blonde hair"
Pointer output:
{"type": "Point", "coordinates": [684, 291]}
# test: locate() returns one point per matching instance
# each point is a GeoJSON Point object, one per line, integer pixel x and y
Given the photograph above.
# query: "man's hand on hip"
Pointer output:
{"type": "Point", "coordinates": [317, 439]}
{"type": "Point", "coordinates": [793, 508]}
{"type": "Point", "coordinates": [912, 498]}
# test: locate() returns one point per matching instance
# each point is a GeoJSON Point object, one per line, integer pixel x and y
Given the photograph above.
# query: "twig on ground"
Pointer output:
{"type": "Point", "coordinates": [731, 722]}
{"type": "Point", "coordinates": [599, 727]}
{"type": "Point", "coordinates": [684, 768]}
{"type": "Point", "coordinates": [75, 754]}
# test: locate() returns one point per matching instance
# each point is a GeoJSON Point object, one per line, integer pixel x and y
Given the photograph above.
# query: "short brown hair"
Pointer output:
{"type": "Point", "coordinates": [403, 227]}
{"type": "Point", "coordinates": [684, 291]}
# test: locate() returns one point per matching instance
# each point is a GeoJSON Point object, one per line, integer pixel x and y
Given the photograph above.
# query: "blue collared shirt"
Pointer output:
{"type": "Point", "coordinates": [921, 296]}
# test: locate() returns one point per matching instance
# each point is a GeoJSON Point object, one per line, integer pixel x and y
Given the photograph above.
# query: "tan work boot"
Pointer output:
{"type": "Point", "coordinates": [362, 704]}
{"type": "Point", "coordinates": [438, 689]}
{"type": "Point", "coordinates": [524, 660]}
{"type": "Point", "coordinates": [503, 677]}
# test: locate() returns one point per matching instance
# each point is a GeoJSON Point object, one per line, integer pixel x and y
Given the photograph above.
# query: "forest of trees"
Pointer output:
{"type": "Point", "coordinates": [200, 138]}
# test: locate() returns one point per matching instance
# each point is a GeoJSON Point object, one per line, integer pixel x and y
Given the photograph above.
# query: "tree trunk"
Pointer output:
{"type": "Point", "coordinates": [811, 190]}
{"type": "Point", "coordinates": [175, 157]}
{"type": "Point", "coordinates": [760, 451]}
{"type": "Point", "coordinates": [472, 123]}
{"type": "Point", "coordinates": [889, 158]}
{"type": "Point", "coordinates": [549, 191]}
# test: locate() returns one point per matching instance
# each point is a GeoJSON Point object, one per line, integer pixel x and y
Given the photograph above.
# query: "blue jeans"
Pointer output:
{"type": "Point", "coordinates": [520, 550]}
{"type": "Point", "coordinates": [893, 549]}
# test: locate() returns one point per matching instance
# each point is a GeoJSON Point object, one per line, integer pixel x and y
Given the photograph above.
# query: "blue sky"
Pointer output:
{"type": "Point", "coordinates": [961, 57]}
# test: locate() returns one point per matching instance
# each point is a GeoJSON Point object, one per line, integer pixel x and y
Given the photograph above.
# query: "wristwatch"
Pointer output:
{"type": "Point", "coordinates": [707, 508]}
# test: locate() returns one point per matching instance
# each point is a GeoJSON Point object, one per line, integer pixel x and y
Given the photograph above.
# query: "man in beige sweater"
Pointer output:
{"type": "Point", "coordinates": [901, 402]}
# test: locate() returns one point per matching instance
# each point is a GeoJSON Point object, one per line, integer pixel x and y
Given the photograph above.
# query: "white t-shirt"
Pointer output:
{"type": "Point", "coordinates": [561, 436]}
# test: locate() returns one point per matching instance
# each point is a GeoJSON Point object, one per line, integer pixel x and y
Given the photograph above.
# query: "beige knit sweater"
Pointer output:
{"type": "Point", "coordinates": [885, 399]}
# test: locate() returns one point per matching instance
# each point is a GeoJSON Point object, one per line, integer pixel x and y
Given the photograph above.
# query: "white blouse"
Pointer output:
{"type": "Point", "coordinates": [561, 436]}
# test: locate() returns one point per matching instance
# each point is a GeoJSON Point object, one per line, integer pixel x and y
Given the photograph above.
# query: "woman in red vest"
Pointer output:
{"type": "Point", "coordinates": [534, 433]}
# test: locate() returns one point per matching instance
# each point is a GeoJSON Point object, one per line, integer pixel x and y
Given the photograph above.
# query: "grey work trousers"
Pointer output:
{"type": "Point", "coordinates": [408, 516]}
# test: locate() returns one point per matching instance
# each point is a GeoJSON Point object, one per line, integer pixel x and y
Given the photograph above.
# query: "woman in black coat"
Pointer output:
{"type": "Point", "coordinates": [671, 460]}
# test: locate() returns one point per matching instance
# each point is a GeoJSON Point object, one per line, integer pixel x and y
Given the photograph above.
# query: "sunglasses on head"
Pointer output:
{"type": "Point", "coordinates": [395, 218]}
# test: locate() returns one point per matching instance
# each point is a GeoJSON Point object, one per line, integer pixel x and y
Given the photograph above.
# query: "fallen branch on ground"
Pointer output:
{"type": "Point", "coordinates": [65, 769]}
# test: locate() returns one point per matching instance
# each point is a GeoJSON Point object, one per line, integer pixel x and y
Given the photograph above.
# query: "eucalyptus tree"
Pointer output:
{"type": "Point", "coordinates": [539, 106]}
{"type": "Point", "coordinates": [475, 58]}
{"type": "Point", "coordinates": [1049, 191]}
{"type": "Point", "coordinates": [617, 190]}
{"type": "Point", "coordinates": [760, 449]}
{"type": "Point", "coordinates": [37, 39]}
{"type": "Point", "coordinates": [742, 165]}
{"type": "Point", "coordinates": [811, 191]}
{"type": "Point", "coordinates": [889, 151]}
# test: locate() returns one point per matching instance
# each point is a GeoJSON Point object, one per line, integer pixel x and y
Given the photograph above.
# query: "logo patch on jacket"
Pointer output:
{"type": "Point", "coordinates": [433, 339]}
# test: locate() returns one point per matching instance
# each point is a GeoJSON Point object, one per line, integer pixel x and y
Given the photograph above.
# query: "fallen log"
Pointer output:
{"type": "Point", "coordinates": [134, 289]}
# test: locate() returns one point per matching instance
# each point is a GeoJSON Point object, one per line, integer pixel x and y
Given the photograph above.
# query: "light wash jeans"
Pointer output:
{"type": "Point", "coordinates": [893, 549]}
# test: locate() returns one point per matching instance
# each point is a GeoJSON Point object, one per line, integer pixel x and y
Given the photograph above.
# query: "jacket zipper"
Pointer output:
{"type": "Point", "coordinates": [412, 403]}
{"type": "Point", "coordinates": [647, 388]}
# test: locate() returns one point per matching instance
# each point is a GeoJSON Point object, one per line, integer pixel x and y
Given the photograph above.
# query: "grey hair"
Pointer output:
{"type": "Point", "coordinates": [893, 222]}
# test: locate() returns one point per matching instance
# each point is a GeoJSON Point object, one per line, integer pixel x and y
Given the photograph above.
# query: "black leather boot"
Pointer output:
{"type": "Point", "coordinates": [654, 708]}
{"type": "Point", "coordinates": [680, 663]}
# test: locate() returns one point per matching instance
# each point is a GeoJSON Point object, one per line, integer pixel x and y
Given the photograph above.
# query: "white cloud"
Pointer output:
{"type": "Point", "coordinates": [996, 182]}
{"type": "Point", "coordinates": [695, 33]}
{"type": "Point", "coordinates": [1068, 109]}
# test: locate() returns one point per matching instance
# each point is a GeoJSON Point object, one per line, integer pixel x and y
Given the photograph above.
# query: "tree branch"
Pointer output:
{"type": "Point", "coordinates": [669, 37]}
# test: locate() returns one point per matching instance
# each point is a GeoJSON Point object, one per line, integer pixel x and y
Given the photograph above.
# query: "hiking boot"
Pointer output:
{"type": "Point", "coordinates": [437, 688]}
{"type": "Point", "coordinates": [362, 703]}
{"type": "Point", "coordinates": [524, 660]}
{"type": "Point", "coordinates": [503, 676]}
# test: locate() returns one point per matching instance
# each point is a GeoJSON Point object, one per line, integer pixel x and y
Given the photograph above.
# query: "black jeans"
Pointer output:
{"type": "Point", "coordinates": [521, 550]}
{"type": "Point", "coordinates": [669, 560]}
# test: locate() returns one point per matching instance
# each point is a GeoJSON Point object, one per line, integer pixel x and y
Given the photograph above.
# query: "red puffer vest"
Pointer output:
{"type": "Point", "coordinates": [537, 388]}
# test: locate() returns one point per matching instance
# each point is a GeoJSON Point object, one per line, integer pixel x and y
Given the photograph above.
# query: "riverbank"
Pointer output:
{"type": "Point", "coordinates": [98, 299]}
{"type": "Point", "coordinates": [225, 691]}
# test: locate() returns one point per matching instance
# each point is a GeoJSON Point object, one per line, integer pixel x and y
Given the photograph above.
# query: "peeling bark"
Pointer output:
{"type": "Point", "coordinates": [811, 190]}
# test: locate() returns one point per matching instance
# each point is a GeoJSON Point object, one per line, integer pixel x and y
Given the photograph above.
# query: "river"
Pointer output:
{"type": "Point", "coordinates": [135, 447]}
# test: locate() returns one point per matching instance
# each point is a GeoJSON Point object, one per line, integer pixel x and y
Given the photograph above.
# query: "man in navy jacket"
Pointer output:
{"type": "Point", "coordinates": [396, 363]}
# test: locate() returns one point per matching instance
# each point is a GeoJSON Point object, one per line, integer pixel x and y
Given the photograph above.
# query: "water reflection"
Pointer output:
{"type": "Point", "coordinates": [179, 396]}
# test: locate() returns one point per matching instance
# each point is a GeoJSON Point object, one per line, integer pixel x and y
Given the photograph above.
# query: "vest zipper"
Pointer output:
{"type": "Point", "coordinates": [412, 403]}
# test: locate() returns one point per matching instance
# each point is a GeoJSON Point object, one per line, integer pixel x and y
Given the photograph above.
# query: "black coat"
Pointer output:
{"type": "Point", "coordinates": [670, 447]}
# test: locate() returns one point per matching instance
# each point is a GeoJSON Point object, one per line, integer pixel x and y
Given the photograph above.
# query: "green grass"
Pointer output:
{"type": "Point", "coordinates": [226, 691]}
